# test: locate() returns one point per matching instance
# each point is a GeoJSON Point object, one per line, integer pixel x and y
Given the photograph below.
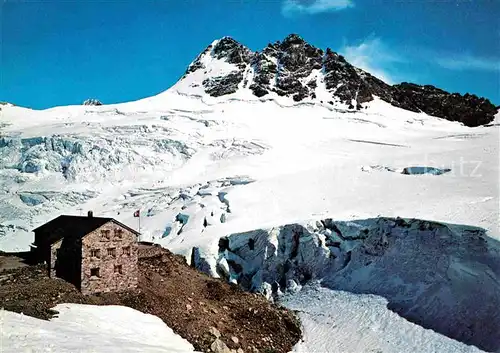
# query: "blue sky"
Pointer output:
{"type": "Point", "coordinates": [61, 52]}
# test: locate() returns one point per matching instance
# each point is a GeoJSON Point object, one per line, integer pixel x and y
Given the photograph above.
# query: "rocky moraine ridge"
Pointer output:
{"type": "Point", "coordinates": [296, 69]}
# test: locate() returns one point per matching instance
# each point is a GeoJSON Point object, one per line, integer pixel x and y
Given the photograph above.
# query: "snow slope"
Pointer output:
{"type": "Point", "coordinates": [201, 168]}
{"type": "Point", "coordinates": [362, 324]}
{"type": "Point", "coordinates": [89, 328]}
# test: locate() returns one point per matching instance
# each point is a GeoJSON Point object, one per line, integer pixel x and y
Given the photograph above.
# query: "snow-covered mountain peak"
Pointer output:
{"type": "Point", "coordinates": [217, 70]}
{"type": "Point", "coordinates": [5, 104]}
{"type": "Point", "coordinates": [294, 38]}
{"type": "Point", "coordinates": [231, 50]}
{"type": "Point", "coordinates": [226, 49]}
{"type": "Point", "coordinates": [92, 101]}
{"type": "Point", "coordinates": [294, 69]}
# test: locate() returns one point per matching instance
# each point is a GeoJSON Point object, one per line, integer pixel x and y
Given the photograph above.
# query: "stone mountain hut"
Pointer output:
{"type": "Point", "coordinates": [95, 254]}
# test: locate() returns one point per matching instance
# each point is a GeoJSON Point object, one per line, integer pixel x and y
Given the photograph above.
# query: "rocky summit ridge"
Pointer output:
{"type": "Point", "coordinates": [296, 69]}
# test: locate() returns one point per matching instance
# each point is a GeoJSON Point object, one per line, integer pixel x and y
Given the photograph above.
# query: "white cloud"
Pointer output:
{"type": "Point", "coordinates": [373, 56]}
{"type": "Point", "coordinates": [311, 7]}
{"type": "Point", "coordinates": [468, 62]}
{"type": "Point", "coordinates": [392, 64]}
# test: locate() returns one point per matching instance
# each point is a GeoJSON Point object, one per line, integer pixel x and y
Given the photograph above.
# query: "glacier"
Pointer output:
{"type": "Point", "coordinates": [416, 267]}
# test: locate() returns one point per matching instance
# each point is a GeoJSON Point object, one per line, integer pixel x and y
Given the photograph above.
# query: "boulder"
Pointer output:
{"type": "Point", "coordinates": [219, 347]}
{"type": "Point", "coordinates": [214, 332]}
{"type": "Point", "coordinates": [292, 67]}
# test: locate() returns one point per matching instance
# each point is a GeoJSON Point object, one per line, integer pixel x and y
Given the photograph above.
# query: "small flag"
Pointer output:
{"type": "Point", "coordinates": [137, 213]}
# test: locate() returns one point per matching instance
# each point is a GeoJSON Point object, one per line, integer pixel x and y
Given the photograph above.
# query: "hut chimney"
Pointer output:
{"type": "Point", "coordinates": [90, 214]}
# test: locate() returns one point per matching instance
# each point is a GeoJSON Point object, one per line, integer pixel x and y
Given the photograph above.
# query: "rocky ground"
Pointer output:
{"type": "Point", "coordinates": [211, 314]}
{"type": "Point", "coordinates": [11, 262]}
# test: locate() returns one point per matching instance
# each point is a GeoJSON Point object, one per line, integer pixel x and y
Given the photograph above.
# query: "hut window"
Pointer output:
{"type": "Point", "coordinates": [126, 250]}
{"type": "Point", "coordinates": [118, 269]}
{"type": "Point", "coordinates": [112, 251]}
{"type": "Point", "coordinates": [94, 272]}
{"type": "Point", "coordinates": [95, 253]}
{"type": "Point", "coordinates": [106, 233]}
{"type": "Point", "coordinates": [118, 233]}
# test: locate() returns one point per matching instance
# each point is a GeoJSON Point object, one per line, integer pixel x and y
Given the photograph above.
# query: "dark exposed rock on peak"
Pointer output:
{"type": "Point", "coordinates": [222, 85]}
{"type": "Point", "coordinates": [296, 69]}
{"type": "Point", "coordinates": [287, 66]}
{"type": "Point", "coordinates": [293, 39]}
{"type": "Point", "coordinates": [92, 101]}
{"type": "Point", "coordinates": [226, 49]}
{"type": "Point", "coordinates": [232, 51]}
{"type": "Point", "coordinates": [468, 108]}
{"type": "Point", "coordinates": [226, 43]}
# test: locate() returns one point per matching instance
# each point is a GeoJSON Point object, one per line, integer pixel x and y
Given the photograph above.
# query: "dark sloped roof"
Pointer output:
{"type": "Point", "coordinates": [75, 226]}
